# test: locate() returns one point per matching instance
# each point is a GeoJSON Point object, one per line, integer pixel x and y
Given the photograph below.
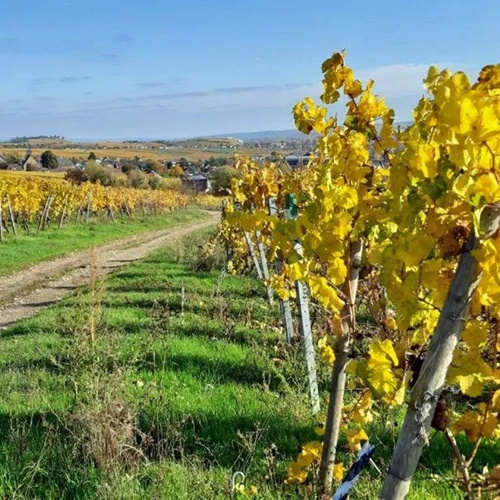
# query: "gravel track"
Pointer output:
{"type": "Point", "coordinates": [24, 292]}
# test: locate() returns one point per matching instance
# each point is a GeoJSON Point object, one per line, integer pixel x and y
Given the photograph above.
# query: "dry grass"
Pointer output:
{"type": "Point", "coordinates": [104, 429]}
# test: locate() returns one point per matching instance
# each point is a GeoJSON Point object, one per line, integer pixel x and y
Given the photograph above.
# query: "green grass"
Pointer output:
{"type": "Point", "coordinates": [17, 253]}
{"type": "Point", "coordinates": [199, 377]}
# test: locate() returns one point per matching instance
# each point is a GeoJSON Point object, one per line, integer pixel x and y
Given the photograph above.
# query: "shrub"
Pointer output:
{"type": "Point", "coordinates": [202, 253]}
{"type": "Point", "coordinates": [75, 175]}
{"type": "Point", "coordinates": [137, 179]}
{"type": "Point", "coordinates": [49, 160]}
{"type": "Point", "coordinates": [221, 179]}
{"type": "Point", "coordinates": [97, 174]}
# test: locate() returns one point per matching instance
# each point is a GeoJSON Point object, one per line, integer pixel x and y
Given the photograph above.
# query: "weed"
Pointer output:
{"type": "Point", "coordinates": [200, 252]}
{"type": "Point", "coordinates": [104, 426]}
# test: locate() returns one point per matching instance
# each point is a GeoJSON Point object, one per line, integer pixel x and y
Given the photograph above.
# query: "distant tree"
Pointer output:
{"type": "Point", "coordinates": [152, 166]}
{"type": "Point", "coordinates": [92, 156]}
{"type": "Point", "coordinates": [97, 174]}
{"type": "Point", "coordinates": [127, 166]}
{"type": "Point", "coordinates": [177, 170]}
{"type": "Point", "coordinates": [12, 158]}
{"type": "Point", "coordinates": [137, 179]}
{"type": "Point", "coordinates": [155, 182]}
{"type": "Point", "coordinates": [49, 160]}
{"type": "Point", "coordinates": [162, 170]}
{"type": "Point", "coordinates": [217, 162]}
{"type": "Point", "coordinates": [183, 162]}
{"type": "Point", "coordinates": [75, 175]}
{"type": "Point", "coordinates": [169, 164]}
{"type": "Point", "coordinates": [221, 179]}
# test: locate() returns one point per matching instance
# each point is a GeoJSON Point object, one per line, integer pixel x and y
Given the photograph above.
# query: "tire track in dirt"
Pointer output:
{"type": "Point", "coordinates": [24, 292]}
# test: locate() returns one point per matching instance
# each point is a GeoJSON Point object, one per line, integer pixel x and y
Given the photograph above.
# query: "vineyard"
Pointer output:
{"type": "Point", "coordinates": [336, 336]}
{"type": "Point", "coordinates": [395, 236]}
{"type": "Point", "coordinates": [30, 203]}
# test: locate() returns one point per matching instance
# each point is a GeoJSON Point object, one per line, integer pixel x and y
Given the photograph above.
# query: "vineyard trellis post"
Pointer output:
{"type": "Point", "coordinates": [47, 212]}
{"type": "Point", "coordinates": [432, 377]}
{"type": "Point", "coordinates": [253, 254]}
{"type": "Point", "coordinates": [11, 215]}
{"type": "Point", "coordinates": [63, 213]}
{"type": "Point", "coordinates": [89, 208]}
{"type": "Point", "coordinates": [265, 267]}
{"type": "Point", "coordinates": [304, 316]}
{"type": "Point", "coordinates": [285, 306]}
{"type": "Point", "coordinates": [1, 222]}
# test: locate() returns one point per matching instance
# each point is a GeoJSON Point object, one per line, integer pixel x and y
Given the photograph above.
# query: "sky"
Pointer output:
{"type": "Point", "coordinates": [124, 69]}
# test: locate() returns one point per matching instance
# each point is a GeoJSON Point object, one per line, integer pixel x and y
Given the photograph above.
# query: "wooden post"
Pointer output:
{"type": "Point", "coordinates": [264, 266]}
{"type": "Point", "coordinates": [79, 211]}
{"type": "Point", "coordinates": [128, 212]}
{"type": "Point", "coordinates": [45, 219]}
{"type": "Point", "coordinates": [1, 223]}
{"type": "Point", "coordinates": [451, 323]}
{"type": "Point", "coordinates": [285, 306]}
{"type": "Point", "coordinates": [255, 260]}
{"type": "Point", "coordinates": [63, 213]}
{"type": "Point", "coordinates": [11, 215]}
{"type": "Point", "coordinates": [304, 317]}
{"type": "Point", "coordinates": [26, 225]}
{"type": "Point", "coordinates": [89, 208]}
{"type": "Point", "coordinates": [42, 217]}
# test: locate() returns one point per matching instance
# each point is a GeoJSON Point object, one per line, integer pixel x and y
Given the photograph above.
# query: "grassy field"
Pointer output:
{"type": "Point", "coordinates": [187, 381]}
{"type": "Point", "coordinates": [23, 250]}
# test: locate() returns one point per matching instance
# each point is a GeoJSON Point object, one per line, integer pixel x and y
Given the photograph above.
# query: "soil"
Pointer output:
{"type": "Point", "coordinates": [24, 292]}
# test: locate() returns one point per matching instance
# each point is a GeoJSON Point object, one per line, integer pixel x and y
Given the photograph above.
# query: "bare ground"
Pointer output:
{"type": "Point", "coordinates": [24, 292]}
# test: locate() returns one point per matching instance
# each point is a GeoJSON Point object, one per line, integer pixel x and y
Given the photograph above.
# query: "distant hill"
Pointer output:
{"type": "Point", "coordinates": [267, 135]}
{"type": "Point", "coordinates": [278, 135]}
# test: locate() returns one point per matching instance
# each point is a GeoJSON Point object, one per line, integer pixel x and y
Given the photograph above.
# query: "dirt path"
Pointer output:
{"type": "Point", "coordinates": [23, 293]}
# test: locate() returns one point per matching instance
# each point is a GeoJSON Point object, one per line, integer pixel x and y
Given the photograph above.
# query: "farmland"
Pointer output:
{"type": "Point", "coordinates": [238, 262]}
{"type": "Point", "coordinates": [202, 152]}
{"type": "Point", "coordinates": [13, 174]}
{"type": "Point", "coordinates": [274, 356]}
{"type": "Point", "coordinates": [190, 375]}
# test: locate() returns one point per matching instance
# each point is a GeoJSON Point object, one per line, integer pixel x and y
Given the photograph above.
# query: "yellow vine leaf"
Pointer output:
{"type": "Point", "coordinates": [355, 437]}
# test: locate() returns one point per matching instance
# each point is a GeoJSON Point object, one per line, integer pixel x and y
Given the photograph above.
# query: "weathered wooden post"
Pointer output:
{"type": "Point", "coordinates": [89, 208]}
{"type": "Point", "coordinates": [285, 306]}
{"type": "Point", "coordinates": [251, 250]}
{"type": "Point", "coordinates": [291, 212]}
{"type": "Point", "coordinates": [265, 266]}
{"type": "Point", "coordinates": [11, 215]}
{"type": "Point", "coordinates": [63, 213]}
{"type": "Point", "coordinates": [431, 380]}
{"type": "Point", "coordinates": [253, 254]}
{"type": "Point", "coordinates": [1, 222]}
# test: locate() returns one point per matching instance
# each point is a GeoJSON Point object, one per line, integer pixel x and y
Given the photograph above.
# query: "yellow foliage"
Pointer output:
{"type": "Point", "coordinates": [355, 438]}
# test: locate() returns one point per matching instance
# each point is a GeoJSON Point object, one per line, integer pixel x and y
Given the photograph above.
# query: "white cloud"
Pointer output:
{"type": "Point", "coordinates": [230, 109]}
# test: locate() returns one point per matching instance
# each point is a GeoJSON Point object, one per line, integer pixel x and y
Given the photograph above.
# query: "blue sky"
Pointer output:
{"type": "Point", "coordinates": [112, 69]}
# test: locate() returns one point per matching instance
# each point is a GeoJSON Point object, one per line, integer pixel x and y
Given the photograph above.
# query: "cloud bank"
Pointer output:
{"type": "Point", "coordinates": [180, 114]}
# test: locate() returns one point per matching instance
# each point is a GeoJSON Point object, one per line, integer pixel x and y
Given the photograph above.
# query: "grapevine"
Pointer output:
{"type": "Point", "coordinates": [396, 209]}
